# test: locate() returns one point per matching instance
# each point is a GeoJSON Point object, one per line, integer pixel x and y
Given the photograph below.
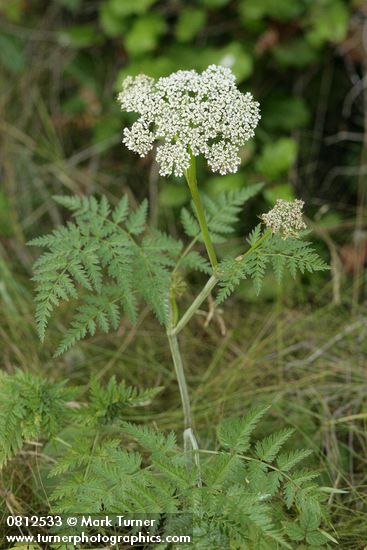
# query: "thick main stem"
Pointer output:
{"type": "Point", "coordinates": [190, 175]}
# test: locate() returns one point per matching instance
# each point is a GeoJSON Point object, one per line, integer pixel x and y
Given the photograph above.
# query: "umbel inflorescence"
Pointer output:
{"type": "Point", "coordinates": [189, 114]}
{"type": "Point", "coordinates": [285, 218]}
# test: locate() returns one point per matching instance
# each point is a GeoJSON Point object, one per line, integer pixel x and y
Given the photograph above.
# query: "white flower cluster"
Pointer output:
{"type": "Point", "coordinates": [286, 218]}
{"type": "Point", "coordinates": [189, 113]}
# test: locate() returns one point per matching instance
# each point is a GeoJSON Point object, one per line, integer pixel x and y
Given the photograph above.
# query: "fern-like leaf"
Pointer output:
{"type": "Point", "coordinates": [136, 221]}
{"type": "Point", "coordinates": [151, 439]}
{"type": "Point", "coordinates": [194, 260]}
{"type": "Point", "coordinates": [176, 473]}
{"type": "Point", "coordinates": [103, 261]}
{"type": "Point", "coordinates": [108, 403]}
{"type": "Point", "coordinates": [266, 251]}
{"type": "Point", "coordinates": [31, 407]}
{"type": "Point", "coordinates": [97, 311]}
{"type": "Point", "coordinates": [190, 225]}
{"type": "Point", "coordinates": [268, 448]}
{"type": "Point", "coordinates": [222, 213]}
{"type": "Point", "coordinates": [121, 211]}
{"type": "Point", "coordinates": [287, 461]}
{"type": "Point", "coordinates": [235, 433]}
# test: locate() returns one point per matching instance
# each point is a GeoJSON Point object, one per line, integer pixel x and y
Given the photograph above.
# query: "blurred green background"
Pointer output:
{"type": "Point", "coordinates": [303, 344]}
{"type": "Point", "coordinates": [62, 63]}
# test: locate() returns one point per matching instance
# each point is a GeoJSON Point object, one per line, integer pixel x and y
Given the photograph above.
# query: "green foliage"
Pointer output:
{"type": "Point", "coordinates": [190, 22]}
{"type": "Point", "coordinates": [295, 53]}
{"type": "Point", "coordinates": [238, 501]}
{"type": "Point", "coordinates": [284, 113]}
{"type": "Point", "coordinates": [34, 409]}
{"type": "Point", "coordinates": [280, 191]}
{"type": "Point", "coordinates": [108, 403]}
{"type": "Point", "coordinates": [104, 462]}
{"type": "Point", "coordinates": [144, 34]}
{"type": "Point", "coordinates": [267, 251]}
{"type": "Point", "coordinates": [283, 9]}
{"type": "Point", "coordinates": [267, 449]}
{"type": "Point", "coordinates": [150, 439]}
{"type": "Point", "coordinates": [12, 10]}
{"type": "Point", "coordinates": [11, 56]}
{"type": "Point", "coordinates": [235, 433]}
{"type": "Point", "coordinates": [276, 158]}
{"type": "Point", "coordinates": [103, 261]}
{"type": "Point", "coordinates": [79, 36]}
{"type": "Point", "coordinates": [123, 9]}
{"type": "Point", "coordinates": [238, 56]}
{"type": "Point", "coordinates": [172, 195]}
{"type": "Point", "coordinates": [106, 260]}
{"type": "Point", "coordinates": [216, 185]}
{"type": "Point", "coordinates": [329, 22]}
{"type": "Point", "coordinates": [31, 408]}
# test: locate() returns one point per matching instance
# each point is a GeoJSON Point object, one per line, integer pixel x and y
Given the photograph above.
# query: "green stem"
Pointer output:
{"type": "Point", "coordinates": [190, 176]}
{"type": "Point", "coordinates": [181, 379]}
{"type": "Point", "coordinates": [255, 245]}
{"type": "Point", "coordinates": [195, 305]}
{"type": "Point", "coordinates": [190, 441]}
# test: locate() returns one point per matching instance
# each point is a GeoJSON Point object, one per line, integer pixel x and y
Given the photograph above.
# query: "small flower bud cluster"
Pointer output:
{"type": "Point", "coordinates": [189, 114]}
{"type": "Point", "coordinates": [285, 218]}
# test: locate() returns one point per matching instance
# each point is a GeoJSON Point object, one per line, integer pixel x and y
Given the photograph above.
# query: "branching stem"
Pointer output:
{"type": "Point", "coordinates": [172, 333]}
{"type": "Point", "coordinates": [195, 305]}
